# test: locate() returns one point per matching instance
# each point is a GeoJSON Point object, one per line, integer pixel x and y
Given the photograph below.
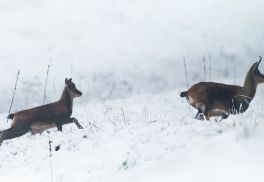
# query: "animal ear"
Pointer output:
{"type": "Point", "coordinates": [254, 67]}
{"type": "Point", "coordinates": [70, 79]}
{"type": "Point", "coordinates": [260, 59]}
{"type": "Point", "coordinates": [66, 81]}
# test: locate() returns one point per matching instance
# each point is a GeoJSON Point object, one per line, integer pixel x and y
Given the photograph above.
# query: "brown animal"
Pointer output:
{"type": "Point", "coordinates": [41, 118]}
{"type": "Point", "coordinates": [216, 99]}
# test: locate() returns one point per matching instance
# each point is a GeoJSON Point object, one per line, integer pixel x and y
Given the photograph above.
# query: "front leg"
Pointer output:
{"type": "Point", "coordinates": [225, 116]}
{"type": "Point", "coordinates": [59, 126]}
{"type": "Point", "coordinates": [74, 120]}
{"type": "Point", "coordinates": [71, 120]}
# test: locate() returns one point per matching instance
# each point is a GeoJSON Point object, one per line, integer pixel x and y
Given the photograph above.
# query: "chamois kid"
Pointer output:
{"type": "Point", "coordinates": [41, 118]}
{"type": "Point", "coordinates": [216, 99]}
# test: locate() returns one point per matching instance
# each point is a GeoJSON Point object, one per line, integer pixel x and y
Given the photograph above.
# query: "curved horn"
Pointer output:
{"type": "Point", "coordinates": [260, 59]}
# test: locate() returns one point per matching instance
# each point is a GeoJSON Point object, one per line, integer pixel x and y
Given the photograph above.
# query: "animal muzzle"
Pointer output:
{"type": "Point", "coordinates": [79, 93]}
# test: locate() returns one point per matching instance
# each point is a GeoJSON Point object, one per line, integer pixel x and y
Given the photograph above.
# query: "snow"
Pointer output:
{"type": "Point", "coordinates": [158, 140]}
{"type": "Point", "coordinates": [126, 58]}
{"type": "Point", "coordinates": [116, 49]}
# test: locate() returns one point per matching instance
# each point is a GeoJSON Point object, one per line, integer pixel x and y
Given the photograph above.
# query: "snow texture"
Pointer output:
{"type": "Point", "coordinates": [127, 59]}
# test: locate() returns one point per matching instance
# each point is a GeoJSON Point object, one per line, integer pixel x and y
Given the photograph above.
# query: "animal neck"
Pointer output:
{"type": "Point", "coordinates": [250, 86]}
{"type": "Point", "coordinates": [66, 98]}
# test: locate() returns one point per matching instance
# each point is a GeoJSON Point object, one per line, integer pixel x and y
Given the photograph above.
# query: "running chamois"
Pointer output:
{"type": "Point", "coordinates": [216, 99]}
{"type": "Point", "coordinates": [39, 119]}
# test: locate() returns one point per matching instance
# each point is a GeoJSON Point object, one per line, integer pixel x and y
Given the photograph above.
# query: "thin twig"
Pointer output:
{"type": "Point", "coordinates": [93, 125]}
{"type": "Point", "coordinates": [124, 116]}
{"type": "Point", "coordinates": [210, 68]}
{"type": "Point", "coordinates": [234, 73]}
{"type": "Point", "coordinates": [51, 166]}
{"type": "Point", "coordinates": [204, 66]}
{"type": "Point", "coordinates": [107, 112]}
{"type": "Point", "coordinates": [13, 94]}
{"type": "Point", "coordinates": [145, 112]}
{"type": "Point", "coordinates": [186, 75]}
{"type": "Point", "coordinates": [71, 71]}
{"type": "Point", "coordinates": [45, 88]}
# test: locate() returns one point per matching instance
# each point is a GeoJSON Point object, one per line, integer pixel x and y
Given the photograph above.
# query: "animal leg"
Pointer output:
{"type": "Point", "coordinates": [207, 117]}
{"type": "Point", "coordinates": [225, 116]}
{"type": "Point", "coordinates": [206, 114]}
{"type": "Point", "coordinates": [72, 120]}
{"type": "Point", "coordinates": [203, 109]}
{"type": "Point", "coordinates": [75, 121]}
{"type": "Point", "coordinates": [199, 115]}
{"type": "Point", "coordinates": [13, 132]}
{"type": "Point", "coordinates": [59, 126]}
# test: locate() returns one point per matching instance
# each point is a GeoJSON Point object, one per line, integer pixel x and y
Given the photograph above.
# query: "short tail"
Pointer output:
{"type": "Point", "coordinates": [11, 116]}
{"type": "Point", "coordinates": [1, 140]}
{"type": "Point", "coordinates": [184, 94]}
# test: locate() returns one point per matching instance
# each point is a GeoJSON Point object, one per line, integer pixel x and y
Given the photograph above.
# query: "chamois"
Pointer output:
{"type": "Point", "coordinates": [41, 118]}
{"type": "Point", "coordinates": [216, 99]}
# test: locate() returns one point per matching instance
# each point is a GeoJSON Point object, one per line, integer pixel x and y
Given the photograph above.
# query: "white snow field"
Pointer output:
{"type": "Point", "coordinates": [127, 58]}
{"type": "Point", "coordinates": [118, 48]}
{"type": "Point", "coordinates": [155, 140]}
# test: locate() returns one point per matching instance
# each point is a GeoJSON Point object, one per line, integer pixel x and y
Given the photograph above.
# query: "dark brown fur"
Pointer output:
{"type": "Point", "coordinates": [38, 119]}
{"type": "Point", "coordinates": [216, 99]}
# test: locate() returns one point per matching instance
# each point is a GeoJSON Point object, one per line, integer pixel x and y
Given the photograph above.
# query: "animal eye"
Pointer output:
{"type": "Point", "coordinates": [72, 86]}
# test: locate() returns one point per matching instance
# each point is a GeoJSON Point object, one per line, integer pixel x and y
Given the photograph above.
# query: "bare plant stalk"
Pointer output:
{"type": "Point", "coordinates": [234, 73]}
{"type": "Point", "coordinates": [45, 88]}
{"type": "Point", "coordinates": [186, 75]}
{"type": "Point", "coordinates": [71, 70]}
{"type": "Point", "coordinates": [124, 116]}
{"type": "Point", "coordinates": [51, 168]}
{"type": "Point", "coordinates": [107, 112]}
{"type": "Point", "coordinates": [54, 91]}
{"type": "Point", "coordinates": [93, 125]}
{"type": "Point", "coordinates": [145, 112]}
{"type": "Point", "coordinates": [210, 68]}
{"type": "Point", "coordinates": [13, 94]}
{"type": "Point", "coordinates": [204, 66]}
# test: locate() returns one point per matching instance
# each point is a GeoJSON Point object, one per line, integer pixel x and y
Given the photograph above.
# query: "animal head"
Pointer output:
{"type": "Point", "coordinates": [70, 86]}
{"type": "Point", "coordinates": [257, 75]}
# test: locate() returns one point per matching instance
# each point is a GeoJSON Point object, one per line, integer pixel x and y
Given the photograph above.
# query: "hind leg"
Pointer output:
{"type": "Point", "coordinates": [199, 115]}
{"type": "Point", "coordinates": [204, 109]}
{"type": "Point", "coordinates": [206, 114]}
{"type": "Point", "coordinates": [225, 116]}
{"type": "Point", "coordinates": [13, 132]}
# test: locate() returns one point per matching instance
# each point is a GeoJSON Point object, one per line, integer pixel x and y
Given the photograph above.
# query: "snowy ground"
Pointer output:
{"type": "Point", "coordinates": [126, 58]}
{"type": "Point", "coordinates": [155, 140]}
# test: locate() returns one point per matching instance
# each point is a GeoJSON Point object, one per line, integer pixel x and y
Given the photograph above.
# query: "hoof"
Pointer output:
{"type": "Point", "coordinates": [200, 117]}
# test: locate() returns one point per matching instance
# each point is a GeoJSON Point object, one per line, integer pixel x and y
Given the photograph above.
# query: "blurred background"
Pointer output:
{"type": "Point", "coordinates": [119, 48]}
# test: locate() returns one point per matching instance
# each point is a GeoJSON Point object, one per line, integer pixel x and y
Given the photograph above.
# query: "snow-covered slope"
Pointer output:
{"type": "Point", "coordinates": [119, 48]}
{"type": "Point", "coordinates": [143, 138]}
{"type": "Point", "coordinates": [126, 57]}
